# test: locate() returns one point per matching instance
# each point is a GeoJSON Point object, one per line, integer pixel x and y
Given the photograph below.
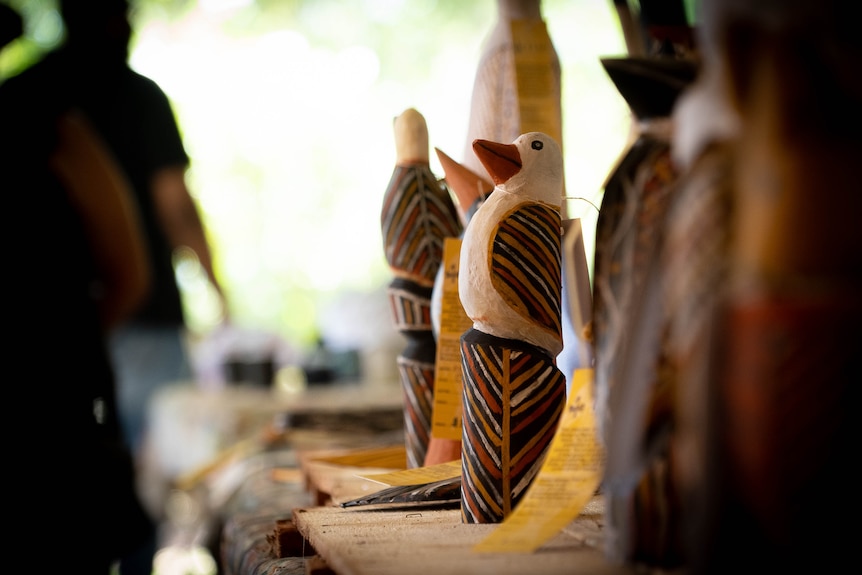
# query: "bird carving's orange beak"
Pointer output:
{"type": "Point", "coordinates": [501, 160]}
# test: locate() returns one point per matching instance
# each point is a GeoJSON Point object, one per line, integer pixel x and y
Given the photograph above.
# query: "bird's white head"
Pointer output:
{"type": "Point", "coordinates": [531, 166]}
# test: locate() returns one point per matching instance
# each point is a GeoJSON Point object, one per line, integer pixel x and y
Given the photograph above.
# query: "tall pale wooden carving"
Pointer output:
{"type": "Point", "coordinates": [506, 104]}
{"type": "Point", "coordinates": [518, 89]}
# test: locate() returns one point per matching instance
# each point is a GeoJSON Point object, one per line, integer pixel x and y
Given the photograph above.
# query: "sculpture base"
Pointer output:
{"type": "Point", "coordinates": [513, 398]}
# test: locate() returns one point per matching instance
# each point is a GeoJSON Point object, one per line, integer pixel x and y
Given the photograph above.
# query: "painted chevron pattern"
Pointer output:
{"type": "Point", "coordinates": [418, 214]}
{"type": "Point", "coordinates": [525, 264]}
{"type": "Point", "coordinates": [417, 384]}
{"type": "Point", "coordinates": [410, 306]}
{"type": "Point", "coordinates": [513, 397]}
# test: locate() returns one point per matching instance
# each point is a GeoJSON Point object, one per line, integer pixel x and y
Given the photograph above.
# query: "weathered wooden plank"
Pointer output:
{"type": "Point", "coordinates": [418, 541]}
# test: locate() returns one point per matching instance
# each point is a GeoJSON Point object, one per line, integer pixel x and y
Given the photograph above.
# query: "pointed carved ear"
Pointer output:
{"type": "Point", "coordinates": [468, 186]}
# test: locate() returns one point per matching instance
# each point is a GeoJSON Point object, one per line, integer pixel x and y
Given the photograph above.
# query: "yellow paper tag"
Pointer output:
{"type": "Point", "coordinates": [446, 412]}
{"type": "Point", "coordinates": [566, 482]}
{"type": "Point", "coordinates": [387, 457]}
{"type": "Point", "coordinates": [538, 99]}
{"type": "Point", "coordinates": [418, 475]}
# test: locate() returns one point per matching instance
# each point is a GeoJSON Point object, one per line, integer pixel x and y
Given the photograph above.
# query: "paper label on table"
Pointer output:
{"type": "Point", "coordinates": [387, 457]}
{"type": "Point", "coordinates": [287, 475]}
{"type": "Point", "coordinates": [448, 381]}
{"type": "Point", "coordinates": [566, 482]}
{"type": "Point", "coordinates": [418, 475]}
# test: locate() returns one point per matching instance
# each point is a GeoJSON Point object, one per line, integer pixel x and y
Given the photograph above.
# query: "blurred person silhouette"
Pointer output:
{"type": "Point", "coordinates": [135, 117]}
{"type": "Point", "coordinates": [137, 120]}
{"type": "Point", "coordinates": [75, 485]}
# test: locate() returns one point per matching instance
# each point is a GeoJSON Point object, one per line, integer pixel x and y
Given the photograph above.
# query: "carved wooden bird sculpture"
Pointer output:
{"type": "Point", "coordinates": [510, 286]}
{"type": "Point", "coordinates": [510, 260]}
{"type": "Point", "coordinates": [417, 215]}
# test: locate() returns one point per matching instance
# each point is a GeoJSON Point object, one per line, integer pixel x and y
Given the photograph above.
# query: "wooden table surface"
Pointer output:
{"type": "Point", "coordinates": [358, 541]}
{"type": "Point", "coordinates": [295, 486]}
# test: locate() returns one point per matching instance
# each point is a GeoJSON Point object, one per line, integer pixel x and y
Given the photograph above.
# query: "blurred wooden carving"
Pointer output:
{"type": "Point", "coordinates": [417, 214]}
{"type": "Point", "coordinates": [634, 385]}
{"type": "Point", "coordinates": [500, 109]}
{"type": "Point", "coordinates": [778, 434]}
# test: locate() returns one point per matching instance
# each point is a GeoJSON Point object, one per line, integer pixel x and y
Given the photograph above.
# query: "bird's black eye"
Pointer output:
{"type": "Point", "coordinates": [537, 145]}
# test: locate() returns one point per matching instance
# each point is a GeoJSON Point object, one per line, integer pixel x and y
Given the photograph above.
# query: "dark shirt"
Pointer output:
{"type": "Point", "coordinates": [66, 443]}
{"type": "Point", "coordinates": [135, 118]}
{"type": "Point", "coordinates": [55, 294]}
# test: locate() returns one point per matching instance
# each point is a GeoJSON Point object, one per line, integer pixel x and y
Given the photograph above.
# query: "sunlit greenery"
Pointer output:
{"type": "Point", "coordinates": [286, 108]}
